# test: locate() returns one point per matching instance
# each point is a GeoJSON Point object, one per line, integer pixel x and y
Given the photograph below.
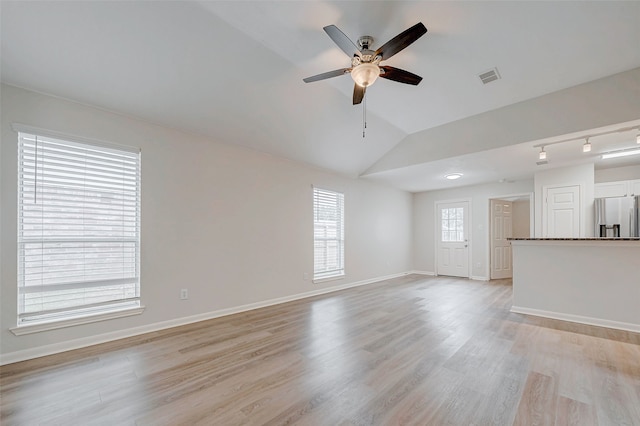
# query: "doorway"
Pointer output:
{"type": "Point", "coordinates": [452, 242]}
{"type": "Point", "coordinates": [510, 217]}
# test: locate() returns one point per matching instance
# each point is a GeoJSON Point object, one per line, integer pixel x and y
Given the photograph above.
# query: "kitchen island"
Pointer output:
{"type": "Point", "coordinates": [593, 281]}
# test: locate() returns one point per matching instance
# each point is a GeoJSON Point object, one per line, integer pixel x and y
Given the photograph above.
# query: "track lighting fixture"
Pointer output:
{"type": "Point", "coordinates": [586, 146]}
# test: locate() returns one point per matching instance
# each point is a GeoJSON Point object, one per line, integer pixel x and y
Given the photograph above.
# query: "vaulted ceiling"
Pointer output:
{"type": "Point", "coordinates": [232, 70]}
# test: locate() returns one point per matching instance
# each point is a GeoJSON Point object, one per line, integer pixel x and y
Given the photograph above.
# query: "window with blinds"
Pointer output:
{"type": "Point", "coordinates": [328, 234]}
{"type": "Point", "coordinates": [78, 229]}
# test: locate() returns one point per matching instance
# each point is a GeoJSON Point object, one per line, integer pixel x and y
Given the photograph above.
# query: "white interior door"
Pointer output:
{"type": "Point", "coordinates": [562, 218]}
{"type": "Point", "coordinates": [501, 229]}
{"type": "Point", "coordinates": [453, 241]}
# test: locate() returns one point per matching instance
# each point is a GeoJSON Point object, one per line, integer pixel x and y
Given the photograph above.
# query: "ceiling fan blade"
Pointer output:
{"type": "Point", "coordinates": [401, 76]}
{"type": "Point", "coordinates": [325, 75]}
{"type": "Point", "coordinates": [342, 40]}
{"type": "Point", "coordinates": [401, 41]}
{"type": "Point", "coordinates": [358, 94]}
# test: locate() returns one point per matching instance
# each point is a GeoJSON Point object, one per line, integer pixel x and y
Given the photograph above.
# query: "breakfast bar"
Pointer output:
{"type": "Point", "coordinates": [586, 280]}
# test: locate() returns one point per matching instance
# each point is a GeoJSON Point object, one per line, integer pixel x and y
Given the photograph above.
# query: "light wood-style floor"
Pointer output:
{"type": "Point", "coordinates": [414, 350]}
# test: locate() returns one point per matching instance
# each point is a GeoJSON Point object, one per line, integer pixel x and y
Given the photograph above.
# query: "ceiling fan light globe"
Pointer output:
{"type": "Point", "coordinates": [365, 74]}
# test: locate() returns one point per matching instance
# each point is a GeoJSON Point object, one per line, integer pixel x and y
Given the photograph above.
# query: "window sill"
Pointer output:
{"type": "Point", "coordinates": [324, 280]}
{"type": "Point", "coordinates": [53, 325]}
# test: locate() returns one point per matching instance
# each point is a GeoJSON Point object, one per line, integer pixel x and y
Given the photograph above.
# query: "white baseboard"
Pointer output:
{"type": "Point", "coordinates": [423, 273]}
{"type": "Point", "coordinates": [55, 348]}
{"type": "Point", "coordinates": [473, 277]}
{"type": "Point", "coordinates": [578, 319]}
{"type": "Point", "coordinates": [479, 278]}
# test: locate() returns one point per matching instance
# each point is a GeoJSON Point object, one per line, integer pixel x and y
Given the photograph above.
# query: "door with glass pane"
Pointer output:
{"type": "Point", "coordinates": [452, 250]}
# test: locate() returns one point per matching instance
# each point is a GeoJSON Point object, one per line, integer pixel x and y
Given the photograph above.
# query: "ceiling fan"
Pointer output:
{"type": "Point", "coordinates": [365, 63]}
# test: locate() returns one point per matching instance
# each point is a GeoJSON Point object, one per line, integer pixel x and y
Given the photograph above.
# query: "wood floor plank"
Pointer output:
{"type": "Point", "coordinates": [615, 401]}
{"type": "Point", "coordinates": [538, 403]}
{"type": "Point", "coordinates": [575, 413]}
{"type": "Point", "coordinates": [459, 408]}
{"type": "Point", "coordinates": [413, 350]}
{"type": "Point", "coordinates": [501, 403]}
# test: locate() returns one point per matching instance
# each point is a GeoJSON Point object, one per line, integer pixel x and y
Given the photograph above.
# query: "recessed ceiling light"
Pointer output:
{"type": "Point", "coordinates": [454, 176]}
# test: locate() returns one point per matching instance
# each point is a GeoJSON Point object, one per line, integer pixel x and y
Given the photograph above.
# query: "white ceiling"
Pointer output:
{"type": "Point", "coordinates": [515, 162]}
{"type": "Point", "coordinates": [232, 70]}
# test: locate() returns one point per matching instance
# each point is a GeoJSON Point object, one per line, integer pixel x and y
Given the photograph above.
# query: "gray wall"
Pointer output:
{"type": "Point", "coordinates": [232, 225]}
{"type": "Point", "coordinates": [521, 219]}
{"type": "Point", "coordinates": [479, 195]}
{"type": "Point", "coordinates": [617, 174]}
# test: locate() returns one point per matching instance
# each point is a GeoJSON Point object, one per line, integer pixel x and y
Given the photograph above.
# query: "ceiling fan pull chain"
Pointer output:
{"type": "Point", "coordinates": [364, 114]}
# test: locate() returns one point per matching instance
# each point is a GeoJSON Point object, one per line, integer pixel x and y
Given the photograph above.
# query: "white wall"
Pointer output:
{"type": "Point", "coordinates": [582, 175]}
{"type": "Point", "coordinates": [584, 281]}
{"type": "Point", "coordinates": [617, 174]}
{"type": "Point", "coordinates": [521, 219]}
{"type": "Point", "coordinates": [424, 222]}
{"type": "Point", "coordinates": [232, 225]}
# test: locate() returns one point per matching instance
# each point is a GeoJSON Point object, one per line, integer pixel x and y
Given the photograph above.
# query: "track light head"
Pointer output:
{"type": "Point", "coordinates": [542, 155]}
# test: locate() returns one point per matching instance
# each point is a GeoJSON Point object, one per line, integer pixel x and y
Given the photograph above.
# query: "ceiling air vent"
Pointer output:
{"type": "Point", "coordinates": [489, 76]}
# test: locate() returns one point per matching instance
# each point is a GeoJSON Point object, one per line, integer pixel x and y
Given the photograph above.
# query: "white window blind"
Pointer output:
{"type": "Point", "coordinates": [78, 229]}
{"type": "Point", "coordinates": [328, 234]}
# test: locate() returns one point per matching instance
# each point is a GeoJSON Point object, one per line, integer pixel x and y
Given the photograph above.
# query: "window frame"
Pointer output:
{"type": "Point", "coordinates": [79, 313]}
{"type": "Point", "coordinates": [334, 200]}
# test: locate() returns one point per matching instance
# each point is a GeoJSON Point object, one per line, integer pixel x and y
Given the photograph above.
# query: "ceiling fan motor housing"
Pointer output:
{"type": "Point", "coordinates": [366, 54]}
{"type": "Point", "coordinates": [365, 42]}
{"type": "Point", "coordinates": [365, 66]}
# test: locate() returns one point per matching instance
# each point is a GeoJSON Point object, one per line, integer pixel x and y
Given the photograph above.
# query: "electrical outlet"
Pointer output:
{"type": "Point", "coordinates": [305, 276]}
{"type": "Point", "coordinates": [184, 294]}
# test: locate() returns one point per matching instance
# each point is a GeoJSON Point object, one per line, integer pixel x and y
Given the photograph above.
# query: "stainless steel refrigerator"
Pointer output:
{"type": "Point", "coordinates": [617, 217]}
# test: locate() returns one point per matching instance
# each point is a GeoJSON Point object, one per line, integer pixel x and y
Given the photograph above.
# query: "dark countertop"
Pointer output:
{"type": "Point", "coordinates": [578, 239]}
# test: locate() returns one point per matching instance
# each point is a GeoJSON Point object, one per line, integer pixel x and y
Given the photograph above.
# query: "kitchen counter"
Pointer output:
{"type": "Point", "coordinates": [587, 280]}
